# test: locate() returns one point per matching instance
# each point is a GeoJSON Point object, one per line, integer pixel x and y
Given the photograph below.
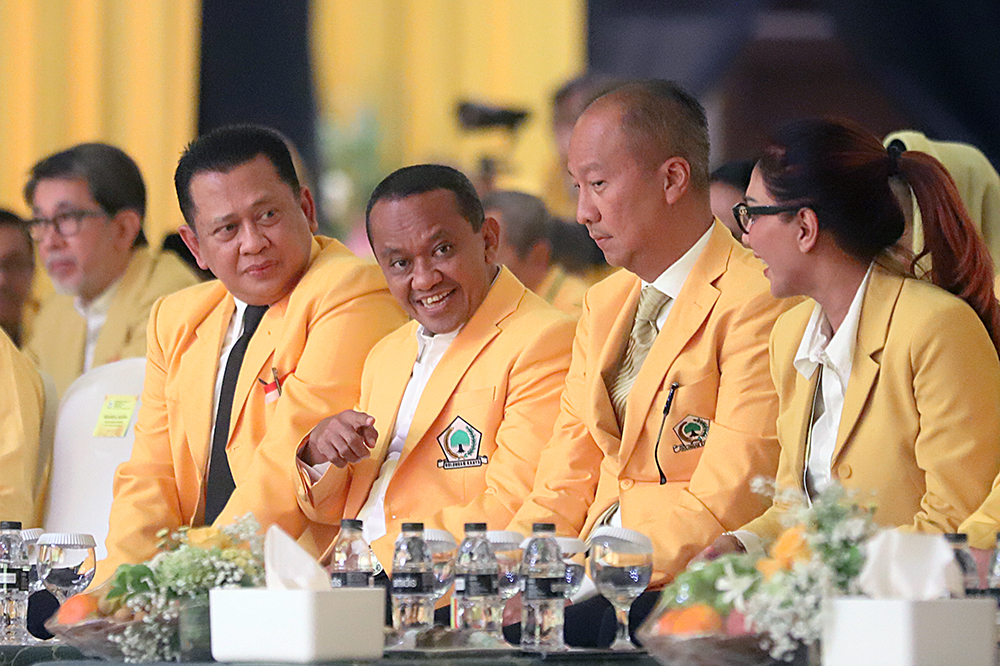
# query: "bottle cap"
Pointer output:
{"type": "Point", "coordinates": [440, 541]}
{"type": "Point", "coordinates": [475, 527]}
{"type": "Point", "coordinates": [62, 540]}
{"type": "Point", "coordinates": [570, 546]}
{"type": "Point", "coordinates": [623, 539]}
{"type": "Point", "coordinates": [543, 527]}
{"type": "Point", "coordinates": [956, 538]}
{"type": "Point", "coordinates": [504, 540]}
{"type": "Point", "coordinates": [10, 524]}
{"type": "Point", "coordinates": [31, 535]}
{"type": "Point", "coordinates": [413, 527]}
{"type": "Point", "coordinates": [352, 523]}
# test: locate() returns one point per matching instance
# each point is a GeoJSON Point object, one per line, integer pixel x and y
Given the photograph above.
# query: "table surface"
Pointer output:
{"type": "Point", "coordinates": [26, 655]}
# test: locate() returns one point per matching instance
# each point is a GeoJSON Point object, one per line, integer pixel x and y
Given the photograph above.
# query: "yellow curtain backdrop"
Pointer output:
{"type": "Point", "coordinates": [410, 61]}
{"type": "Point", "coordinates": [123, 72]}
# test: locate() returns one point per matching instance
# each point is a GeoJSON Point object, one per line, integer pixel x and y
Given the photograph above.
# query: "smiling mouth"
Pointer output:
{"type": "Point", "coordinates": [431, 302]}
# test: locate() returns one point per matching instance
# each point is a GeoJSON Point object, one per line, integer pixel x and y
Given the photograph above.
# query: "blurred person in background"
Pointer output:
{"type": "Point", "coordinates": [526, 249]}
{"type": "Point", "coordinates": [88, 204]}
{"type": "Point", "coordinates": [729, 183]}
{"type": "Point", "coordinates": [17, 273]}
{"type": "Point", "coordinates": [887, 384]}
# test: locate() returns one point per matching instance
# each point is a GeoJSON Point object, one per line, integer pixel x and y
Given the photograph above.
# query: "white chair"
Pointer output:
{"type": "Point", "coordinates": [83, 466]}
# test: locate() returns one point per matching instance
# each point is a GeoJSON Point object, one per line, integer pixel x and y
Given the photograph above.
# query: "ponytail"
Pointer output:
{"type": "Point", "coordinates": [960, 260]}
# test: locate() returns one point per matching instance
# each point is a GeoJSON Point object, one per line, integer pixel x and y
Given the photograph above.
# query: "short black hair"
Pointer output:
{"type": "Point", "coordinates": [9, 218]}
{"type": "Point", "coordinates": [526, 221]}
{"type": "Point", "coordinates": [422, 178]}
{"type": "Point", "coordinates": [226, 148]}
{"type": "Point", "coordinates": [114, 179]}
{"type": "Point", "coordinates": [736, 174]}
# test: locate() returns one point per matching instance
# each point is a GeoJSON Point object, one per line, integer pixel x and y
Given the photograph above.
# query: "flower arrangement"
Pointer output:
{"type": "Point", "coordinates": [138, 610]}
{"type": "Point", "coordinates": [780, 596]}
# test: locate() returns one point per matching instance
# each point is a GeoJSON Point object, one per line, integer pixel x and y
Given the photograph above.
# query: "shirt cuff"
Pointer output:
{"type": "Point", "coordinates": [751, 543]}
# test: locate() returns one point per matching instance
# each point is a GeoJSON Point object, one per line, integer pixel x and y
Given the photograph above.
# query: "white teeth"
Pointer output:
{"type": "Point", "coordinates": [433, 300]}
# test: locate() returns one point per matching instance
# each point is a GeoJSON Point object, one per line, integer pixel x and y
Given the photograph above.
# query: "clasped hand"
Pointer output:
{"type": "Point", "coordinates": [340, 439]}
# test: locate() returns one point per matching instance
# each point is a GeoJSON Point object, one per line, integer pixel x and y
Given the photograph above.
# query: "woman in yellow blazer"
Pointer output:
{"type": "Point", "coordinates": [887, 383]}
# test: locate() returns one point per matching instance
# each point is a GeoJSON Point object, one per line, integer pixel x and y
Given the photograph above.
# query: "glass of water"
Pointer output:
{"type": "Point", "coordinates": [66, 563]}
{"type": "Point", "coordinates": [443, 549]}
{"type": "Point", "coordinates": [507, 548]}
{"type": "Point", "coordinates": [621, 564]}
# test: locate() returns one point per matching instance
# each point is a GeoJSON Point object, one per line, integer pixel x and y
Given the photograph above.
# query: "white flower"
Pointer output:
{"type": "Point", "coordinates": [734, 586]}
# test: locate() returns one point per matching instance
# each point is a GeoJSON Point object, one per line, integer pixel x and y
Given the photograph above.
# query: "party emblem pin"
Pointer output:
{"type": "Point", "coordinates": [460, 443]}
{"type": "Point", "coordinates": [692, 431]}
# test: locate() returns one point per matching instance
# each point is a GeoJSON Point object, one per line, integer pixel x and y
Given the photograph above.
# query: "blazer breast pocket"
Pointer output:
{"type": "Point", "coordinates": [473, 397]}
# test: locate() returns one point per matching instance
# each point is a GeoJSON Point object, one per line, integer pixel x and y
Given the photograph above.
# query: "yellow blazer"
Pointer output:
{"type": "Point", "coordinates": [502, 375]}
{"type": "Point", "coordinates": [59, 334]}
{"type": "Point", "coordinates": [23, 465]}
{"type": "Point", "coordinates": [316, 339]}
{"type": "Point", "coordinates": [920, 430]}
{"type": "Point", "coordinates": [714, 346]}
{"type": "Point", "coordinates": [563, 291]}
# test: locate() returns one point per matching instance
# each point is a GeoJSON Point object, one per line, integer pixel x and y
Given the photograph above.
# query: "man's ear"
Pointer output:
{"type": "Point", "coordinates": [491, 239]}
{"type": "Point", "coordinates": [676, 176]}
{"type": "Point", "coordinates": [127, 224]}
{"type": "Point", "coordinates": [308, 205]}
{"type": "Point", "coordinates": [190, 239]}
{"type": "Point", "coordinates": [808, 229]}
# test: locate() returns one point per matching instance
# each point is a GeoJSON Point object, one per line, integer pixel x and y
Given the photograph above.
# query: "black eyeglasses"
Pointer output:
{"type": "Point", "coordinates": [745, 214]}
{"type": "Point", "coordinates": [66, 223]}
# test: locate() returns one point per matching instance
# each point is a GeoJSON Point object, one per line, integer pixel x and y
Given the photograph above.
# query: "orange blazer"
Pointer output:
{"type": "Point", "coordinates": [315, 339]}
{"type": "Point", "coordinates": [718, 435]}
{"type": "Point", "coordinates": [24, 464]}
{"type": "Point", "coordinates": [502, 376]}
{"type": "Point", "coordinates": [920, 430]}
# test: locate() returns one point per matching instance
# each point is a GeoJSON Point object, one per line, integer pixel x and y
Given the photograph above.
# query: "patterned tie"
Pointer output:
{"type": "Point", "coordinates": [220, 478]}
{"type": "Point", "coordinates": [651, 300]}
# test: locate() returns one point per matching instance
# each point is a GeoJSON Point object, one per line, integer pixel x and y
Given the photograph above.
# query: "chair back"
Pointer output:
{"type": "Point", "coordinates": [83, 461]}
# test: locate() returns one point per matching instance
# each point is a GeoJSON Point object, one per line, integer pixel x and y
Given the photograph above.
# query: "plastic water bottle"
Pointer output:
{"type": "Point", "coordinates": [476, 602]}
{"type": "Point", "coordinates": [30, 538]}
{"type": "Point", "coordinates": [966, 563]}
{"type": "Point", "coordinates": [412, 580]}
{"type": "Point", "coordinates": [351, 558]}
{"type": "Point", "coordinates": [544, 575]}
{"type": "Point", "coordinates": [13, 584]}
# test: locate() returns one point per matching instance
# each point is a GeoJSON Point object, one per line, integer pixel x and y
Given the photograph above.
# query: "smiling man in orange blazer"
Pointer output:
{"type": "Point", "coordinates": [456, 405]}
{"type": "Point", "coordinates": [675, 457]}
{"type": "Point", "coordinates": [319, 308]}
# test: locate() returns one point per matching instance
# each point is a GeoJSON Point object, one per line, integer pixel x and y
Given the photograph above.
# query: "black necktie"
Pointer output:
{"type": "Point", "coordinates": [220, 479]}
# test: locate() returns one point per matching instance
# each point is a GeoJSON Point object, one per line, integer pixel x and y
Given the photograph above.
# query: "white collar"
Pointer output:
{"type": "Point", "coordinates": [99, 306]}
{"type": "Point", "coordinates": [671, 280]}
{"type": "Point", "coordinates": [426, 339]}
{"type": "Point", "coordinates": [818, 346]}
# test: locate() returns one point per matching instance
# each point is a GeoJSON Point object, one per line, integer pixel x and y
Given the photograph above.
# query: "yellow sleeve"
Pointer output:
{"type": "Point", "coordinates": [20, 426]}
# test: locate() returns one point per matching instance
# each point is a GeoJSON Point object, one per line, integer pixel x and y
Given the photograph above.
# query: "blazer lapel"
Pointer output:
{"type": "Point", "coordinates": [500, 302]}
{"type": "Point", "coordinates": [115, 330]}
{"type": "Point", "coordinates": [873, 328]}
{"type": "Point", "coordinates": [607, 434]}
{"type": "Point", "coordinates": [690, 310]}
{"type": "Point", "coordinates": [260, 349]}
{"type": "Point", "coordinates": [197, 376]}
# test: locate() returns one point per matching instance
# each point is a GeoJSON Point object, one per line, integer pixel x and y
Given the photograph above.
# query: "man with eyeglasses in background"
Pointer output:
{"type": "Point", "coordinates": [88, 204]}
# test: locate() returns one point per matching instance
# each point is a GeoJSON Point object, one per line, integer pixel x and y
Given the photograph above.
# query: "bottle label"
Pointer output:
{"type": "Point", "coordinates": [413, 583]}
{"type": "Point", "coordinates": [544, 588]}
{"type": "Point", "coordinates": [13, 579]}
{"type": "Point", "coordinates": [476, 585]}
{"type": "Point", "coordinates": [350, 579]}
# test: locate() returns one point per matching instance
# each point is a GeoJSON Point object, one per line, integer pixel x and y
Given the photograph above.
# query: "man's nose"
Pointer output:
{"type": "Point", "coordinates": [252, 239]}
{"type": "Point", "coordinates": [586, 212]}
{"type": "Point", "coordinates": [425, 275]}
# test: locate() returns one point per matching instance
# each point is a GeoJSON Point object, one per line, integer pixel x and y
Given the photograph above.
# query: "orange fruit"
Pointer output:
{"type": "Point", "coordinates": [665, 624]}
{"type": "Point", "coordinates": [697, 619]}
{"type": "Point", "coordinates": [77, 608]}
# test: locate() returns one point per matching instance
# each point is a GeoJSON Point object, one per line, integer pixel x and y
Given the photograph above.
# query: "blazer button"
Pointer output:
{"type": "Point", "coordinates": [845, 471]}
{"type": "Point", "coordinates": [625, 484]}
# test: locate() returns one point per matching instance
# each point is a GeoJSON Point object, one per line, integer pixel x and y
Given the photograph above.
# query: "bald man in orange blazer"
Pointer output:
{"type": "Point", "coordinates": [675, 459]}
{"type": "Point", "coordinates": [251, 225]}
{"type": "Point", "coordinates": [456, 405]}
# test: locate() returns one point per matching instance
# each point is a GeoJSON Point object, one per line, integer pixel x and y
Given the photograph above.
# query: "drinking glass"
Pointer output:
{"type": "Point", "coordinates": [621, 564]}
{"type": "Point", "coordinates": [507, 548]}
{"type": "Point", "coordinates": [575, 573]}
{"type": "Point", "coordinates": [66, 563]}
{"type": "Point", "coordinates": [443, 549]}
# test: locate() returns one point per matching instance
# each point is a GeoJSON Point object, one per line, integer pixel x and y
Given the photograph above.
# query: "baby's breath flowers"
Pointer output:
{"type": "Point", "coordinates": [191, 562]}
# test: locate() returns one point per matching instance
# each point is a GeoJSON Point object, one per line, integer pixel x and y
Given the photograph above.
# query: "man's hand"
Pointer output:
{"type": "Point", "coordinates": [512, 610]}
{"type": "Point", "coordinates": [726, 543]}
{"type": "Point", "coordinates": [340, 439]}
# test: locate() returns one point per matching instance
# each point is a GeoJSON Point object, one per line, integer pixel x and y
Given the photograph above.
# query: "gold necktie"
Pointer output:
{"type": "Point", "coordinates": [651, 300]}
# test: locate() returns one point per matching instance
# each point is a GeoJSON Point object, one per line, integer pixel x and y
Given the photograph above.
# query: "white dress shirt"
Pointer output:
{"type": "Point", "coordinates": [95, 314]}
{"type": "Point", "coordinates": [833, 353]}
{"type": "Point", "coordinates": [228, 342]}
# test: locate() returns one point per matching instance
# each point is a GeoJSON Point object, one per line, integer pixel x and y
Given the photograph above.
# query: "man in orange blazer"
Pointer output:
{"type": "Point", "coordinates": [456, 405]}
{"type": "Point", "coordinates": [675, 458]}
{"type": "Point", "coordinates": [320, 310]}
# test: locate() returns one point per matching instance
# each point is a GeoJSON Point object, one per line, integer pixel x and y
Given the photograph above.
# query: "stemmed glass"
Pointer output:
{"type": "Point", "coordinates": [621, 564]}
{"type": "Point", "coordinates": [66, 563]}
{"type": "Point", "coordinates": [575, 573]}
{"type": "Point", "coordinates": [443, 549]}
{"type": "Point", "coordinates": [507, 548]}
